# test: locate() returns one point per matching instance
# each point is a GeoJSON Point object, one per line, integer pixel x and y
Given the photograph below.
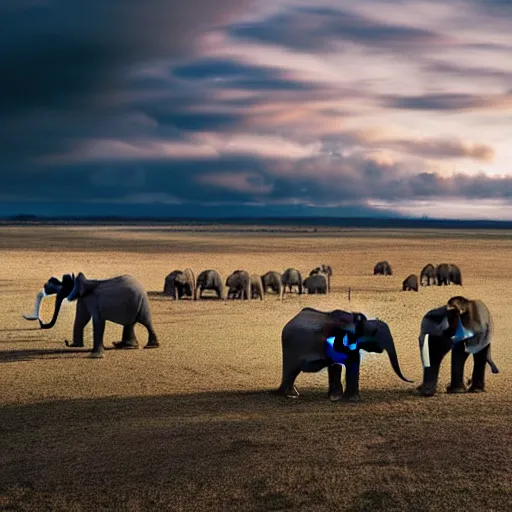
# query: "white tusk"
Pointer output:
{"type": "Point", "coordinates": [425, 356]}
{"type": "Point", "coordinates": [37, 305]}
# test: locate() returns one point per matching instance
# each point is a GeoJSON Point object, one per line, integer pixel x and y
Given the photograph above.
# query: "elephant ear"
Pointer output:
{"type": "Point", "coordinates": [82, 287]}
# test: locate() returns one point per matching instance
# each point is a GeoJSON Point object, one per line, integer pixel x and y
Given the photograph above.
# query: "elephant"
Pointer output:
{"type": "Point", "coordinates": [428, 272]}
{"type": "Point", "coordinates": [443, 274]}
{"type": "Point", "coordinates": [465, 327]}
{"type": "Point", "coordinates": [272, 280]}
{"type": "Point", "coordinates": [382, 268]}
{"type": "Point", "coordinates": [313, 340]}
{"type": "Point", "coordinates": [317, 283]}
{"type": "Point", "coordinates": [121, 300]}
{"type": "Point", "coordinates": [323, 269]}
{"type": "Point", "coordinates": [291, 277]}
{"type": "Point", "coordinates": [179, 284]}
{"type": "Point", "coordinates": [410, 283]}
{"type": "Point", "coordinates": [256, 287]}
{"type": "Point", "coordinates": [209, 280]}
{"type": "Point", "coordinates": [455, 274]}
{"type": "Point", "coordinates": [239, 285]}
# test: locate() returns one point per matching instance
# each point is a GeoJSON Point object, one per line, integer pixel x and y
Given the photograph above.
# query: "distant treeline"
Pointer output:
{"type": "Point", "coordinates": [313, 222]}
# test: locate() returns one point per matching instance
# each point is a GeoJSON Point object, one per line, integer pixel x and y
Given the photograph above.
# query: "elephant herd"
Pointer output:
{"type": "Point", "coordinates": [242, 285]}
{"type": "Point", "coordinates": [311, 340]}
{"type": "Point", "coordinates": [442, 274]}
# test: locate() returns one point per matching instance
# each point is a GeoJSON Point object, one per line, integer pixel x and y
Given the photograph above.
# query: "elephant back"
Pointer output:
{"type": "Point", "coordinates": [119, 299]}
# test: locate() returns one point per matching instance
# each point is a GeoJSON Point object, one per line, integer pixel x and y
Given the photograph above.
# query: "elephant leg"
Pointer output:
{"type": "Point", "coordinates": [459, 356]}
{"type": "Point", "coordinates": [352, 378]}
{"type": "Point", "coordinates": [128, 340]}
{"type": "Point", "coordinates": [287, 387]}
{"type": "Point", "coordinates": [478, 376]}
{"type": "Point", "coordinates": [98, 332]}
{"type": "Point", "coordinates": [82, 318]}
{"type": "Point", "coordinates": [335, 385]}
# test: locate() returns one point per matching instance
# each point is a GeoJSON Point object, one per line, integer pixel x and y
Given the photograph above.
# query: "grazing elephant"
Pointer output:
{"type": "Point", "coordinates": [239, 285]}
{"type": "Point", "coordinates": [323, 269]}
{"type": "Point", "coordinates": [443, 274]}
{"type": "Point", "coordinates": [317, 283]}
{"type": "Point", "coordinates": [455, 274]}
{"type": "Point", "coordinates": [382, 268]}
{"type": "Point", "coordinates": [209, 280]}
{"type": "Point", "coordinates": [121, 300]}
{"type": "Point", "coordinates": [410, 283]}
{"type": "Point", "coordinates": [464, 327]}
{"type": "Point", "coordinates": [291, 277]}
{"type": "Point", "coordinates": [179, 284]}
{"type": "Point", "coordinates": [272, 280]}
{"type": "Point", "coordinates": [256, 287]}
{"type": "Point", "coordinates": [313, 340]}
{"type": "Point", "coordinates": [428, 273]}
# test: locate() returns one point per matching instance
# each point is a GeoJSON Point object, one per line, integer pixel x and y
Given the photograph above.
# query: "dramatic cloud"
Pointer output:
{"type": "Point", "coordinates": [370, 107]}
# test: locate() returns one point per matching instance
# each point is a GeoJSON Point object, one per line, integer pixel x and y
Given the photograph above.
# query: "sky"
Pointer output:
{"type": "Point", "coordinates": [256, 107]}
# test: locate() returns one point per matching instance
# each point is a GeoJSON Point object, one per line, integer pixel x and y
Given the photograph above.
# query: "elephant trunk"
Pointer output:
{"type": "Point", "coordinates": [388, 344]}
{"type": "Point", "coordinates": [58, 303]}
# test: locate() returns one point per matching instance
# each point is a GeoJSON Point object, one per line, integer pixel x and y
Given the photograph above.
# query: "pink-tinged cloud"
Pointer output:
{"type": "Point", "coordinates": [199, 146]}
{"type": "Point", "coordinates": [242, 182]}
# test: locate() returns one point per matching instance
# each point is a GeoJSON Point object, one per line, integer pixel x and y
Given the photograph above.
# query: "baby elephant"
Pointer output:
{"type": "Point", "coordinates": [410, 283]}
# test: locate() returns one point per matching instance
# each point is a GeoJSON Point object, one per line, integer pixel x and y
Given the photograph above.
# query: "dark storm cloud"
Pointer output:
{"type": "Point", "coordinates": [58, 53]}
{"type": "Point", "coordinates": [67, 68]}
{"type": "Point", "coordinates": [470, 72]}
{"type": "Point", "coordinates": [315, 29]}
{"type": "Point", "coordinates": [224, 72]}
{"type": "Point", "coordinates": [445, 101]}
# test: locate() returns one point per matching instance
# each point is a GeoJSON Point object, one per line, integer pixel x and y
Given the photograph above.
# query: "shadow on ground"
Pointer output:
{"type": "Point", "coordinates": [254, 451]}
{"type": "Point", "coordinates": [11, 356]}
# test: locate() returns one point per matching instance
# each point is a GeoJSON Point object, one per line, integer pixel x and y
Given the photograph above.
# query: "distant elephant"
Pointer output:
{"type": "Point", "coordinates": [291, 277]}
{"type": "Point", "coordinates": [410, 283]}
{"type": "Point", "coordinates": [382, 268]}
{"type": "Point", "coordinates": [121, 300]}
{"type": "Point", "coordinates": [317, 283]}
{"type": "Point", "coordinates": [313, 340]}
{"type": "Point", "coordinates": [272, 280]}
{"type": "Point", "coordinates": [464, 327]}
{"type": "Point", "coordinates": [323, 269]}
{"type": "Point", "coordinates": [239, 285]}
{"type": "Point", "coordinates": [428, 273]}
{"type": "Point", "coordinates": [179, 284]}
{"type": "Point", "coordinates": [455, 274]}
{"type": "Point", "coordinates": [443, 274]}
{"type": "Point", "coordinates": [209, 280]}
{"type": "Point", "coordinates": [256, 287]}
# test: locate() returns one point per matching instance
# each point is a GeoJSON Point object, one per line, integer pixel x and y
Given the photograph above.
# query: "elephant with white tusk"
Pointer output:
{"type": "Point", "coordinates": [121, 300]}
{"type": "Point", "coordinates": [465, 327]}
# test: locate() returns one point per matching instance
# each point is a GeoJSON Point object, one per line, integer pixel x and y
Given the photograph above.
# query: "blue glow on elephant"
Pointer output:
{"type": "Point", "coordinates": [334, 355]}
{"type": "Point", "coordinates": [462, 333]}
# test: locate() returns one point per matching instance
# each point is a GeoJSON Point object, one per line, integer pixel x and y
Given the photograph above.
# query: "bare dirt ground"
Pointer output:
{"type": "Point", "coordinates": [194, 425]}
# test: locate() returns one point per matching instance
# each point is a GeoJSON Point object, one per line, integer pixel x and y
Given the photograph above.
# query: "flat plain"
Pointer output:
{"type": "Point", "coordinates": [194, 425]}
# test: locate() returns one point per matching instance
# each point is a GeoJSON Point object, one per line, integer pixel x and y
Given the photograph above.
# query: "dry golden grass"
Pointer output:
{"type": "Point", "coordinates": [193, 425]}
